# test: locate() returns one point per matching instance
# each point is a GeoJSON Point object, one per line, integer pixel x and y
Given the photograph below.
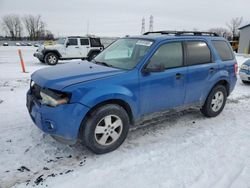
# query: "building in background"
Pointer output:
{"type": "Point", "coordinates": [244, 44]}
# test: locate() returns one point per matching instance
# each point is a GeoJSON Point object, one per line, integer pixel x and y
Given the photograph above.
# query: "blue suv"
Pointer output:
{"type": "Point", "coordinates": [97, 101]}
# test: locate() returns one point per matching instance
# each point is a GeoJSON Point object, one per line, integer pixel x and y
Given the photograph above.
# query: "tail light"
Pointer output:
{"type": "Point", "coordinates": [235, 69]}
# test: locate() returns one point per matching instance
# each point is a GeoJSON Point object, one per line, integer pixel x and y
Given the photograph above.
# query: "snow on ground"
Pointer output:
{"type": "Point", "coordinates": [181, 150]}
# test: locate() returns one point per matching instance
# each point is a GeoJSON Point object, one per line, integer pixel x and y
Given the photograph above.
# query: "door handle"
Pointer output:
{"type": "Point", "coordinates": [77, 47]}
{"type": "Point", "coordinates": [178, 76]}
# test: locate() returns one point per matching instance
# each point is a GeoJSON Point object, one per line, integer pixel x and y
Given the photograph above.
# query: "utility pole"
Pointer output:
{"type": "Point", "coordinates": [151, 23]}
{"type": "Point", "coordinates": [87, 27]}
{"type": "Point", "coordinates": [143, 26]}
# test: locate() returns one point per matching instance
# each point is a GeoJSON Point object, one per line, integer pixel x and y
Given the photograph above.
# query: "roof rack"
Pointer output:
{"type": "Point", "coordinates": [178, 33]}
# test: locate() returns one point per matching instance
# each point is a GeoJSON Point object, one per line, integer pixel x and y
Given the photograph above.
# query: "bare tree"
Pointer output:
{"type": "Point", "coordinates": [34, 26]}
{"type": "Point", "coordinates": [12, 26]}
{"type": "Point", "coordinates": [220, 31]}
{"type": "Point", "coordinates": [234, 25]}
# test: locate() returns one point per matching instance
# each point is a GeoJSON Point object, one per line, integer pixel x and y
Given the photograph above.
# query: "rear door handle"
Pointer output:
{"type": "Point", "coordinates": [178, 76]}
{"type": "Point", "coordinates": [77, 47]}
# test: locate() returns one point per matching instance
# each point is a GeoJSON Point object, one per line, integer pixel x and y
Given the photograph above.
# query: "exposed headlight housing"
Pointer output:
{"type": "Point", "coordinates": [32, 83]}
{"type": "Point", "coordinates": [54, 98]}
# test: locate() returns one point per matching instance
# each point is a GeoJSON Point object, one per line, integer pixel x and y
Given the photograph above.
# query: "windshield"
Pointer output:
{"type": "Point", "coordinates": [124, 53]}
{"type": "Point", "coordinates": [61, 41]}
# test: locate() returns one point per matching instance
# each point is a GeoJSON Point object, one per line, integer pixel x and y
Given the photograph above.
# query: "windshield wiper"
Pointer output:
{"type": "Point", "coordinates": [102, 63]}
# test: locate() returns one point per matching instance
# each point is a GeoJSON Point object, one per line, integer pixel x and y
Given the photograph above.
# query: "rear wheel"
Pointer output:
{"type": "Point", "coordinates": [106, 129]}
{"type": "Point", "coordinates": [51, 59]}
{"type": "Point", "coordinates": [92, 55]}
{"type": "Point", "coordinates": [215, 101]}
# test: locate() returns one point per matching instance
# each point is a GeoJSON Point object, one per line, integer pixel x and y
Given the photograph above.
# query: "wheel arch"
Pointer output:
{"type": "Point", "coordinates": [224, 83]}
{"type": "Point", "coordinates": [52, 51]}
{"type": "Point", "coordinates": [119, 102]}
{"type": "Point", "coordinates": [93, 51]}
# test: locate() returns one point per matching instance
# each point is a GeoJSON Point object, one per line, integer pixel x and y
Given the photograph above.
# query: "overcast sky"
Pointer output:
{"type": "Point", "coordinates": [119, 18]}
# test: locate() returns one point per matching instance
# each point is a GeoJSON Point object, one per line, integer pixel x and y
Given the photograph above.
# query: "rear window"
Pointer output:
{"type": "Point", "coordinates": [197, 53]}
{"type": "Point", "coordinates": [224, 50]}
{"type": "Point", "coordinates": [95, 42]}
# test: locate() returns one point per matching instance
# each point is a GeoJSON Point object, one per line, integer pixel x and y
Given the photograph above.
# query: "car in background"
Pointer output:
{"type": "Point", "coordinates": [134, 78]}
{"type": "Point", "coordinates": [37, 45]}
{"type": "Point", "coordinates": [245, 72]}
{"type": "Point", "coordinates": [6, 44]}
{"type": "Point", "coordinates": [18, 44]}
{"type": "Point", "coordinates": [29, 44]}
{"type": "Point", "coordinates": [73, 47]}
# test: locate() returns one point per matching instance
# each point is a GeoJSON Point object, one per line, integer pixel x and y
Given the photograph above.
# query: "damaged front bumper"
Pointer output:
{"type": "Point", "coordinates": [63, 121]}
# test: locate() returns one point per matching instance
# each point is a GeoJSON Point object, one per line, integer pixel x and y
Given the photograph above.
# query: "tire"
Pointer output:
{"type": "Point", "coordinates": [215, 101]}
{"type": "Point", "coordinates": [51, 58]}
{"type": "Point", "coordinates": [92, 55]}
{"type": "Point", "coordinates": [105, 129]}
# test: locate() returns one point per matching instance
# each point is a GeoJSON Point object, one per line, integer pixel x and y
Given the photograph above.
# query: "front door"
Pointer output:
{"type": "Point", "coordinates": [160, 91]}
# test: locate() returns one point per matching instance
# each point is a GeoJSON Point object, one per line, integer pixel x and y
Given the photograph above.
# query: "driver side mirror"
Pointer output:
{"type": "Point", "coordinates": [154, 67]}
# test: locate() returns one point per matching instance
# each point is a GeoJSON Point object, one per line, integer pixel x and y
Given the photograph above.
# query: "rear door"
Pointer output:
{"type": "Point", "coordinates": [200, 71]}
{"type": "Point", "coordinates": [73, 48]}
{"type": "Point", "coordinates": [164, 90]}
{"type": "Point", "coordinates": [84, 47]}
{"type": "Point", "coordinates": [226, 60]}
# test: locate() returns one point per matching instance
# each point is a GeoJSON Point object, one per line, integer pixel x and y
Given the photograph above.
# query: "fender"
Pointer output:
{"type": "Point", "coordinates": [93, 50]}
{"type": "Point", "coordinates": [45, 51]}
{"type": "Point", "coordinates": [95, 96]}
{"type": "Point", "coordinates": [219, 76]}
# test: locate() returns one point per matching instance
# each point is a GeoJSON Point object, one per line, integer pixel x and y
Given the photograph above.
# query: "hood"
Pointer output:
{"type": "Point", "coordinates": [54, 46]}
{"type": "Point", "coordinates": [61, 76]}
{"type": "Point", "coordinates": [247, 62]}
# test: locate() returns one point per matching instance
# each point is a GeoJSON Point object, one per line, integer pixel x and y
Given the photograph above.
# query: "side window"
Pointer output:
{"type": "Point", "coordinates": [84, 42]}
{"type": "Point", "coordinates": [224, 50]}
{"type": "Point", "coordinates": [72, 42]}
{"type": "Point", "coordinates": [170, 55]}
{"type": "Point", "coordinates": [197, 53]}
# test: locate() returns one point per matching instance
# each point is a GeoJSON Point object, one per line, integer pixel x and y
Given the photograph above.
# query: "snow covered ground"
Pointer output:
{"type": "Point", "coordinates": [181, 150]}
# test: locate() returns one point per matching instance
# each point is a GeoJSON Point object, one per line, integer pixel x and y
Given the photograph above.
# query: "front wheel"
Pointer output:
{"type": "Point", "coordinates": [51, 59]}
{"type": "Point", "coordinates": [215, 101]}
{"type": "Point", "coordinates": [106, 129]}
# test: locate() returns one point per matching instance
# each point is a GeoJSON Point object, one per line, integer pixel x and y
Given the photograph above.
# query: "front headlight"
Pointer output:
{"type": "Point", "coordinates": [53, 99]}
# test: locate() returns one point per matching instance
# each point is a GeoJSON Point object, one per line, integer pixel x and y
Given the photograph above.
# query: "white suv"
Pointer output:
{"type": "Point", "coordinates": [73, 47]}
